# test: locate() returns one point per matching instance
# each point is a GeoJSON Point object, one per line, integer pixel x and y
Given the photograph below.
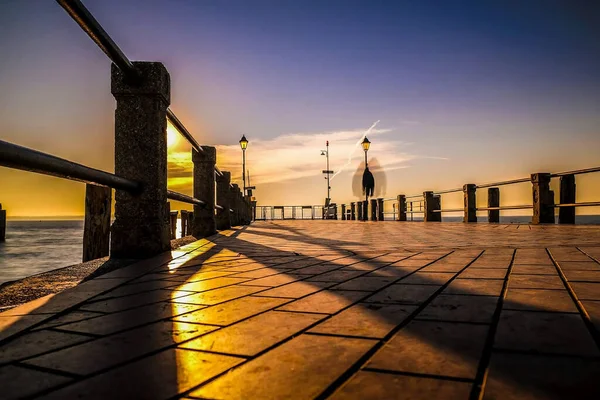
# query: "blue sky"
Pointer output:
{"type": "Point", "coordinates": [468, 90]}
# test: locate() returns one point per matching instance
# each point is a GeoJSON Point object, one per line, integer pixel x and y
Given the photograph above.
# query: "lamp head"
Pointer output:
{"type": "Point", "coordinates": [243, 142]}
{"type": "Point", "coordinates": [366, 144]}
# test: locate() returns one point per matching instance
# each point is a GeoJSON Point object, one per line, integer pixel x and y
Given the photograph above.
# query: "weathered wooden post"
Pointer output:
{"type": "Point", "coordinates": [96, 226]}
{"type": "Point", "coordinates": [401, 207]}
{"type": "Point", "coordinates": [380, 214]}
{"type": "Point", "coordinates": [343, 212]}
{"type": "Point", "coordinates": [373, 210]}
{"type": "Point", "coordinates": [431, 203]}
{"type": "Point", "coordinates": [543, 199]}
{"type": "Point", "coordinates": [353, 211]}
{"type": "Point", "coordinates": [141, 227]}
{"type": "Point", "coordinates": [174, 224]}
{"type": "Point", "coordinates": [184, 223]}
{"type": "Point", "coordinates": [2, 224]}
{"type": "Point", "coordinates": [223, 216]}
{"type": "Point", "coordinates": [566, 215]}
{"type": "Point", "coordinates": [204, 189]}
{"type": "Point", "coordinates": [493, 201]}
{"type": "Point", "coordinates": [470, 203]}
{"type": "Point", "coordinates": [359, 206]}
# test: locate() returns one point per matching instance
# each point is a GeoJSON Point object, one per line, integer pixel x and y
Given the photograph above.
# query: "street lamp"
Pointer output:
{"type": "Point", "coordinates": [244, 145]}
{"type": "Point", "coordinates": [327, 172]}
{"type": "Point", "coordinates": [368, 181]}
{"type": "Point", "coordinates": [366, 144]}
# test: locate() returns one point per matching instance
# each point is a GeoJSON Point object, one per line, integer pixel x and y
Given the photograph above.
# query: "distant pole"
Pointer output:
{"type": "Point", "coordinates": [328, 187]}
{"type": "Point", "coordinates": [366, 144]}
{"type": "Point", "coordinates": [2, 224]}
{"type": "Point", "coordinates": [244, 144]}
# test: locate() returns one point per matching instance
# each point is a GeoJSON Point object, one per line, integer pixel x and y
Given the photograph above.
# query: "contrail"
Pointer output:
{"type": "Point", "coordinates": [353, 150]}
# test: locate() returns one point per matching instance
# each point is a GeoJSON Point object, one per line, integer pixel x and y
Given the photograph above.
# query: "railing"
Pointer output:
{"type": "Point", "coordinates": [143, 223]}
{"type": "Point", "coordinates": [429, 204]}
{"type": "Point", "coordinates": [266, 213]}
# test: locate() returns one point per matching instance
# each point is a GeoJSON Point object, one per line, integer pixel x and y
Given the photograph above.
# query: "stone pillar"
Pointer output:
{"type": "Point", "coordinates": [141, 227]}
{"type": "Point", "coordinates": [204, 189]}
{"type": "Point", "coordinates": [380, 214]}
{"type": "Point", "coordinates": [543, 199]}
{"type": "Point", "coordinates": [223, 220]}
{"type": "Point", "coordinates": [96, 226]}
{"type": "Point", "coordinates": [493, 201]}
{"type": "Point", "coordinates": [401, 207]}
{"type": "Point", "coordinates": [353, 211]}
{"type": "Point", "coordinates": [174, 224]}
{"type": "Point", "coordinates": [184, 223]}
{"type": "Point", "coordinates": [234, 200]}
{"type": "Point", "coordinates": [359, 209]}
{"type": "Point", "coordinates": [2, 224]}
{"type": "Point", "coordinates": [566, 215]}
{"type": "Point", "coordinates": [190, 223]}
{"type": "Point", "coordinates": [470, 203]}
{"type": "Point", "coordinates": [431, 202]}
{"type": "Point", "coordinates": [343, 212]}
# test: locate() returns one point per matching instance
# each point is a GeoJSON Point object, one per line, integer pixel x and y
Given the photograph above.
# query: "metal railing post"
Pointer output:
{"type": "Point", "coordinates": [380, 214]}
{"type": "Point", "coordinates": [141, 226]}
{"type": "Point", "coordinates": [401, 207]}
{"type": "Point", "coordinates": [543, 199]}
{"type": "Point", "coordinates": [566, 215]}
{"type": "Point", "coordinates": [223, 220]}
{"type": "Point", "coordinates": [470, 203]}
{"type": "Point", "coordinates": [493, 201]}
{"type": "Point", "coordinates": [204, 189]}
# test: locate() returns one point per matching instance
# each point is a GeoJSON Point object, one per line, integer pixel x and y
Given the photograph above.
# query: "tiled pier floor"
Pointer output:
{"type": "Point", "coordinates": [325, 309]}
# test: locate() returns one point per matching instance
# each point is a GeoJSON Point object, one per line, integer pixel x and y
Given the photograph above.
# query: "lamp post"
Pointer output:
{"type": "Point", "coordinates": [366, 144]}
{"type": "Point", "coordinates": [244, 145]}
{"type": "Point", "coordinates": [327, 171]}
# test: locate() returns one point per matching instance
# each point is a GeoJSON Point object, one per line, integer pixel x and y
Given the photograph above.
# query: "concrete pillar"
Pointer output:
{"type": "Point", "coordinates": [2, 224]}
{"type": "Point", "coordinates": [234, 200]}
{"type": "Point", "coordinates": [360, 214]}
{"type": "Point", "coordinates": [353, 211]}
{"type": "Point", "coordinates": [373, 210]}
{"type": "Point", "coordinates": [204, 189]}
{"type": "Point", "coordinates": [343, 212]}
{"type": "Point", "coordinates": [470, 203]}
{"type": "Point", "coordinates": [190, 223]}
{"type": "Point", "coordinates": [223, 220]}
{"type": "Point", "coordinates": [401, 208]}
{"type": "Point", "coordinates": [494, 201]}
{"type": "Point", "coordinates": [184, 223]}
{"type": "Point", "coordinates": [96, 225]}
{"type": "Point", "coordinates": [174, 224]}
{"type": "Point", "coordinates": [543, 199]}
{"type": "Point", "coordinates": [431, 202]}
{"type": "Point", "coordinates": [380, 215]}
{"type": "Point", "coordinates": [141, 227]}
{"type": "Point", "coordinates": [566, 215]}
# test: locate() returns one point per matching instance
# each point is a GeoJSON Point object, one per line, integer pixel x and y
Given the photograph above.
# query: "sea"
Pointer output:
{"type": "Point", "coordinates": [34, 247]}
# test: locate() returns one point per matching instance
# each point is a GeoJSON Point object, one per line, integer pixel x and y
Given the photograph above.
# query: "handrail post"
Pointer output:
{"type": "Point", "coordinates": [566, 215]}
{"type": "Point", "coordinates": [343, 212]}
{"type": "Point", "coordinates": [543, 199]}
{"type": "Point", "coordinates": [493, 201]}
{"type": "Point", "coordinates": [431, 202]}
{"type": "Point", "coordinates": [359, 206]}
{"type": "Point", "coordinates": [173, 216]}
{"type": "Point", "coordinates": [141, 227]}
{"type": "Point", "coordinates": [204, 189]}
{"type": "Point", "coordinates": [401, 207]}
{"type": "Point", "coordinates": [380, 214]}
{"type": "Point", "coordinates": [223, 216]}
{"type": "Point", "coordinates": [96, 227]}
{"type": "Point", "coordinates": [2, 224]}
{"type": "Point", "coordinates": [470, 203]}
{"type": "Point", "coordinates": [184, 223]}
{"type": "Point", "coordinates": [353, 211]}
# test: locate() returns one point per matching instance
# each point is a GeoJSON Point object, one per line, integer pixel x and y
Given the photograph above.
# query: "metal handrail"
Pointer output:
{"type": "Point", "coordinates": [448, 191]}
{"type": "Point", "coordinates": [486, 185]}
{"type": "Point", "coordinates": [184, 198]}
{"type": "Point", "coordinates": [26, 159]}
{"type": "Point", "coordinates": [449, 210]}
{"type": "Point", "coordinates": [576, 172]}
{"type": "Point", "coordinates": [582, 204]}
{"type": "Point", "coordinates": [522, 207]}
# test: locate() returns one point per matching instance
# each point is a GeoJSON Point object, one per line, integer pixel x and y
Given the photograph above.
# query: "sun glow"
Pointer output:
{"type": "Point", "coordinates": [172, 135]}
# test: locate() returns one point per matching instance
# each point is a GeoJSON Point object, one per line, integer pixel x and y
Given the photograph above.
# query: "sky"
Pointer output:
{"type": "Point", "coordinates": [464, 92]}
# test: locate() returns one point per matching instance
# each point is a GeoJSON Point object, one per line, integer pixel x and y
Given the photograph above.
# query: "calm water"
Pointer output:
{"type": "Point", "coordinates": [33, 247]}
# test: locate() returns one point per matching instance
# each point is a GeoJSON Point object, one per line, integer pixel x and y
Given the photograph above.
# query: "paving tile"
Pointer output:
{"type": "Point", "coordinates": [366, 320]}
{"type": "Point", "coordinates": [534, 270]}
{"type": "Point", "coordinates": [375, 385]}
{"type": "Point", "coordinates": [73, 316]}
{"type": "Point", "coordinates": [317, 269]}
{"type": "Point", "coordinates": [112, 323]}
{"type": "Point", "coordinates": [13, 324]}
{"type": "Point", "coordinates": [301, 369]}
{"type": "Point", "coordinates": [444, 267]}
{"type": "Point", "coordinates": [413, 262]}
{"type": "Point", "coordinates": [482, 273]}
{"type": "Point", "coordinates": [428, 278]}
{"type": "Point", "coordinates": [160, 376]}
{"type": "Point", "coordinates": [250, 337]}
{"type": "Point", "coordinates": [203, 275]}
{"type": "Point", "coordinates": [135, 300]}
{"type": "Point", "coordinates": [327, 301]}
{"type": "Point", "coordinates": [219, 295]}
{"type": "Point", "coordinates": [31, 344]}
{"type": "Point", "coordinates": [579, 265]}
{"type": "Point", "coordinates": [275, 280]}
{"type": "Point", "coordinates": [365, 283]}
{"type": "Point", "coordinates": [593, 310]}
{"type": "Point", "coordinates": [336, 276]}
{"type": "Point", "coordinates": [134, 288]}
{"type": "Point", "coordinates": [432, 347]}
{"type": "Point", "coordinates": [106, 352]}
{"type": "Point", "coordinates": [531, 377]}
{"type": "Point", "coordinates": [484, 262]}
{"type": "Point", "coordinates": [556, 333]}
{"type": "Point", "coordinates": [480, 287]}
{"type": "Point", "coordinates": [586, 290]}
{"type": "Point", "coordinates": [403, 294]}
{"type": "Point", "coordinates": [394, 272]}
{"type": "Point", "coordinates": [18, 382]}
{"type": "Point", "coordinates": [582, 276]}
{"type": "Point", "coordinates": [232, 311]}
{"type": "Point", "coordinates": [296, 289]}
{"type": "Point", "coordinates": [203, 286]}
{"type": "Point", "coordinates": [539, 300]}
{"type": "Point", "coordinates": [535, 282]}
{"type": "Point", "coordinates": [258, 273]}
{"type": "Point", "coordinates": [460, 308]}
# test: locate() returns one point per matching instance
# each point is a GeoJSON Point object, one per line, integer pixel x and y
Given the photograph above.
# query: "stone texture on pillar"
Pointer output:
{"type": "Point", "coordinates": [470, 203]}
{"type": "Point", "coordinates": [543, 199]}
{"type": "Point", "coordinates": [173, 215]}
{"type": "Point", "coordinates": [223, 216]}
{"type": "Point", "coordinates": [141, 226]}
{"type": "Point", "coordinates": [235, 218]}
{"type": "Point", "coordinates": [190, 223]}
{"type": "Point", "coordinates": [566, 215]}
{"type": "Point", "coordinates": [401, 208]}
{"type": "Point", "coordinates": [353, 211]}
{"type": "Point", "coordinates": [2, 224]}
{"type": "Point", "coordinates": [431, 202]}
{"type": "Point", "coordinates": [96, 226]}
{"type": "Point", "coordinates": [343, 212]}
{"type": "Point", "coordinates": [380, 214]}
{"type": "Point", "coordinates": [493, 201]}
{"type": "Point", "coordinates": [184, 223]}
{"type": "Point", "coordinates": [204, 189]}
{"type": "Point", "coordinates": [359, 207]}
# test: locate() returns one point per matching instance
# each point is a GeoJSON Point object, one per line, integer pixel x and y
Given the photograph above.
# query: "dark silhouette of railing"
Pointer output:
{"type": "Point", "coordinates": [143, 224]}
